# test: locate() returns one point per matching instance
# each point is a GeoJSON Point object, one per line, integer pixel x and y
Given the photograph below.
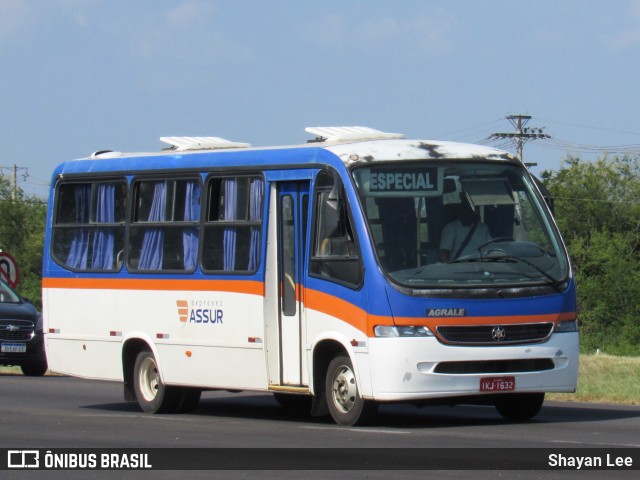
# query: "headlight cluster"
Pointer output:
{"type": "Point", "coordinates": [390, 331]}
{"type": "Point", "coordinates": [566, 326]}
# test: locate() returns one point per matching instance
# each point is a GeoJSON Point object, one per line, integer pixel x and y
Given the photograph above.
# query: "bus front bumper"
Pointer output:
{"type": "Point", "coordinates": [405, 369]}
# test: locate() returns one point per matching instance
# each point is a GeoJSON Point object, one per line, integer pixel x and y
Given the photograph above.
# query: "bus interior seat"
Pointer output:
{"type": "Point", "coordinates": [337, 246]}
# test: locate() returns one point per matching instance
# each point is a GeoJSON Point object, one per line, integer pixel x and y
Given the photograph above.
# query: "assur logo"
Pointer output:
{"type": "Point", "coordinates": [183, 310]}
{"type": "Point", "coordinates": [194, 314]}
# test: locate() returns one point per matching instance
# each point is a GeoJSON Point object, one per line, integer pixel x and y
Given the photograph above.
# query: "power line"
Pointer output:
{"type": "Point", "coordinates": [631, 149]}
{"type": "Point", "coordinates": [468, 130]}
{"type": "Point", "coordinates": [598, 200]}
{"type": "Point", "coordinates": [14, 177]}
{"type": "Point", "coordinates": [522, 134]}
{"type": "Point", "coordinates": [591, 127]}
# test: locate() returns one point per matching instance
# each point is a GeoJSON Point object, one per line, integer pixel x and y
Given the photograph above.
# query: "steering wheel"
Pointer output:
{"type": "Point", "coordinates": [495, 240]}
{"type": "Point", "coordinates": [495, 249]}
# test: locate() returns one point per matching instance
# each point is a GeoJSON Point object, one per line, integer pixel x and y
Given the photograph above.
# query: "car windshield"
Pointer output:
{"type": "Point", "coordinates": [460, 224]}
{"type": "Point", "coordinates": [7, 295]}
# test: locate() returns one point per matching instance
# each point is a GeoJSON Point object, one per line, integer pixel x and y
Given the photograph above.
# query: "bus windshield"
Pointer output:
{"type": "Point", "coordinates": [460, 224]}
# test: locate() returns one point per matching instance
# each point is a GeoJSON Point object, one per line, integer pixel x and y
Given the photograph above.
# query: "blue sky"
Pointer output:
{"type": "Point", "coordinates": [78, 76]}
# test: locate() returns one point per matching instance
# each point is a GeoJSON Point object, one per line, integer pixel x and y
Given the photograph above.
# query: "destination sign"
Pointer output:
{"type": "Point", "coordinates": [400, 180]}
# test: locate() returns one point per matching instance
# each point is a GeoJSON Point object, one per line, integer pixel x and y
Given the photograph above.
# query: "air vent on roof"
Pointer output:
{"type": "Point", "coordinates": [181, 144]}
{"type": "Point", "coordinates": [105, 154]}
{"type": "Point", "coordinates": [349, 134]}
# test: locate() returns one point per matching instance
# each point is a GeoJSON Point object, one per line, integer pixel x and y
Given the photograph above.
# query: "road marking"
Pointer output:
{"type": "Point", "coordinates": [360, 430]}
{"type": "Point", "coordinates": [612, 445]}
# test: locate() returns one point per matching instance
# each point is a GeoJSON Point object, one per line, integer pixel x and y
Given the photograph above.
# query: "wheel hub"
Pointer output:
{"type": "Point", "coordinates": [344, 390]}
{"type": "Point", "coordinates": [149, 379]}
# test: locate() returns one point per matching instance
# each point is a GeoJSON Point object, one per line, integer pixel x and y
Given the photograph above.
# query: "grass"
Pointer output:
{"type": "Point", "coordinates": [606, 379]}
{"type": "Point", "coordinates": [10, 370]}
{"type": "Point", "coordinates": [18, 371]}
{"type": "Point", "coordinates": [602, 379]}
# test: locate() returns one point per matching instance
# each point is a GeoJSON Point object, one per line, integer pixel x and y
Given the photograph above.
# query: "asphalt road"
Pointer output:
{"type": "Point", "coordinates": [60, 412]}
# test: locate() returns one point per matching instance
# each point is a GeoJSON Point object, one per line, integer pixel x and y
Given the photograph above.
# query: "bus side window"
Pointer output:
{"type": "Point", "coordinates": [233, 224]}
{"type": "Point", "coordinates": [165, 225]}
{"type": "Point", "coordinates": [334, 251]}
{"type": "Point", "coordinates": [89, 227]}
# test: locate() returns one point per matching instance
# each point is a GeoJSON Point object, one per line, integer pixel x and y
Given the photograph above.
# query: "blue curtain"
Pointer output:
{"type": "Point", "coordinates": [152, 244]}
{"type": "Point", "coordinates": [190, 235]}
{"type": "Point", "coordinates": [229, 242]}
{"type": "Point", "coordinates": [103, 241]}
{"type": "Point", "coordinates": [255, 201]}
{"type": "Point", "coordinates": [79, 248]}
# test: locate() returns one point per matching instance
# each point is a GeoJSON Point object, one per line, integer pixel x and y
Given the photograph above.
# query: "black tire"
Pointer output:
{"type": "Point", "coordinates": [35, 369]}
{"type": "Point", "coordinates": [152, 394]}
{"type": "Point", "coordinates": [519, 406]}
{"type": "Point", "coordinates": [346, 406]}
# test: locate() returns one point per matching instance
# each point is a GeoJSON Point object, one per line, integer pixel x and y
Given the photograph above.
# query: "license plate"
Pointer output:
{"type": "Point", "coordinates": [497, 384]}
{"type": "Point", "coordinates": [13, 348]}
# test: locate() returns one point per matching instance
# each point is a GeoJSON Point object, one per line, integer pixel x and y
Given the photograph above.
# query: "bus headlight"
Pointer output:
{"type": "Point", "coordinates": [403, 331]}
{"type": "Point", "coordinates": [566, 326]}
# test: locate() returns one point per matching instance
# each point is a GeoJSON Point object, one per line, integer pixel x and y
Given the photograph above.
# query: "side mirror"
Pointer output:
{"type": "Point", "coordinates": [545, 193]}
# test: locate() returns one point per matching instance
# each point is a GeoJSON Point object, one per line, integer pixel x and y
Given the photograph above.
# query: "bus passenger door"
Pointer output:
{"type": "Point", "coordinates": [288, 214]}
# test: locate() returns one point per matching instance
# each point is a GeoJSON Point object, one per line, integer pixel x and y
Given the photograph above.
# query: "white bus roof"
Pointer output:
{"type": "Point", "coordinates": [351, 144]}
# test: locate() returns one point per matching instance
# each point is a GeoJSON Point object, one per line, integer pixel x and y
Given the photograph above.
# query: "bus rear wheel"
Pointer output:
{"type": "Point", "coordinates": [152, 395]}
{"type": "Point", "coordinates": [346, 406]}
{"type": "Point", "coordinates": [519, 406]}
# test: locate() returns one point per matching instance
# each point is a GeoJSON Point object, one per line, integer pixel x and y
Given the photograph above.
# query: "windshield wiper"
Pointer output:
{"type": "Point", "coordinates": [509, 258]}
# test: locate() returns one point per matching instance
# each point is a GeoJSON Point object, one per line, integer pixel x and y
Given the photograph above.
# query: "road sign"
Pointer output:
{"type": "Point", "coordinates": [9, 270]}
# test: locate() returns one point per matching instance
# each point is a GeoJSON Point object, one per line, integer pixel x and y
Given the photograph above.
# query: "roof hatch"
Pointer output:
{"type": "Point", "coordinates": [349, 134]}
{"type": "Point", "coordinates": [182, 144]}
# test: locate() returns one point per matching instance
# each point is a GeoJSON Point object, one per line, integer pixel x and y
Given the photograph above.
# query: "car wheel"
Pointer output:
{"type": "Point", "coordinates": [35, 369]}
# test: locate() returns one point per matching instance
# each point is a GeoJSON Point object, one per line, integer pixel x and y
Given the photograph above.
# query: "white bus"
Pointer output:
{"type": "Point", "coordinates": [359, 268]}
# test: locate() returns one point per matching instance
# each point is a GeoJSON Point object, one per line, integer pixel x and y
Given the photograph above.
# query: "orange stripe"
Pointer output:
{"type": "Point", "coordinates": [358, 318]}
{"type": "Point", "coordinates": [313, 299]}
{"type": "Point", "coordinates": [336, 307]}
{"type": "Point", "coordinates": [236, 286]}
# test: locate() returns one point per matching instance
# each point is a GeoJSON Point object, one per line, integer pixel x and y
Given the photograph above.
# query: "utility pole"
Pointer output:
{"type": "Point", "coordinates": [14, 178]}
{"type": "Point", "coordinates": [522, 134]}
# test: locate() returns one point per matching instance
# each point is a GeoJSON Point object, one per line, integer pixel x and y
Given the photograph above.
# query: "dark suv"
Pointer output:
{"type": "Point", "coordinates": [21, 338]}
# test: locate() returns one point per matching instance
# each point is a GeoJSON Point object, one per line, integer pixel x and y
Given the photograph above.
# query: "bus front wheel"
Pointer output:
{"type": "Point", "coordinates": [346, 406]}
{"type": "Point", "coordinates": [152, 394]}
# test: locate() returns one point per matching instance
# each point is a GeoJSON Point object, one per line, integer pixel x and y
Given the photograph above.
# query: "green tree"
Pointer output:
{"type": "Point", "coordinates": [22, 220]}
{"type": "Point", "coordinates": [598, 212]}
